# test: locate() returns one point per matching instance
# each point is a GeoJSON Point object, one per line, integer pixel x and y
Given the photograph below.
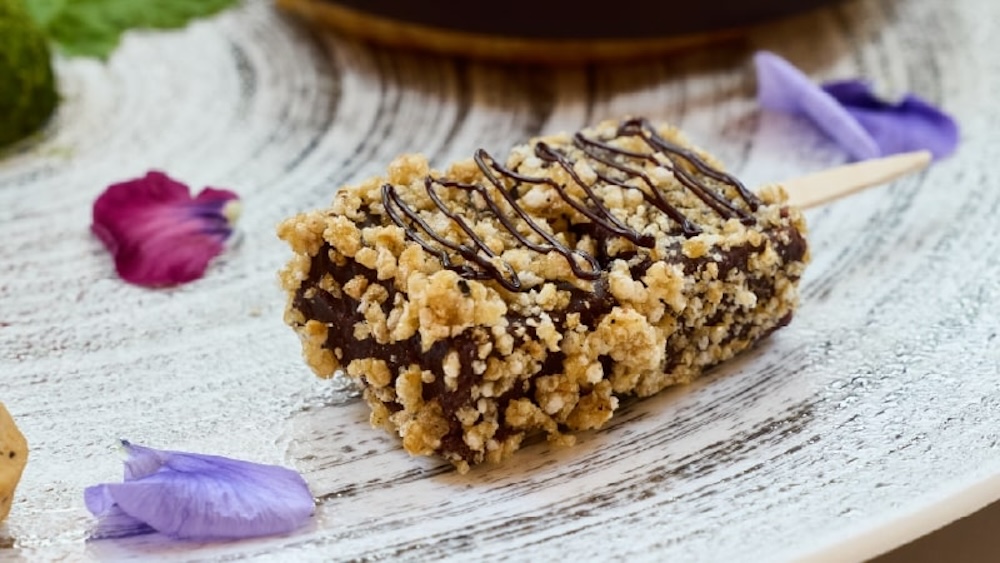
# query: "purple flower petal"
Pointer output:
{"type": "Point", "coordinates": [851, 115]}
{"type": "Point", "coordinates": [142, 461]}
{"type": "Point", "coordinates": [782, 87]}
{"type": "Point", "coordinates": [194, 496]}
{"type": "Point", "coordinates": [909, 125]}
{"type": "Point", "coordinates": [113, 522]}
{"type": "Point", "coordinates": [158, 234]}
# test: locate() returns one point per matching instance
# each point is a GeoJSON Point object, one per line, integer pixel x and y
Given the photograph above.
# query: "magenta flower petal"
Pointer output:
{"type": "Point", "coordinates": [851, 115]}
{"type": "Point", "coordinates": [194, 496]}
{"type": "Point", "coordinates": [158, 234]}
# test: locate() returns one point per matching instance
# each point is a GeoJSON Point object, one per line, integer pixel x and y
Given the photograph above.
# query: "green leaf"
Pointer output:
{"type": "Point", "coordinates": [93, 28]}
{"type": "Point", "coordinates": [42, 11]}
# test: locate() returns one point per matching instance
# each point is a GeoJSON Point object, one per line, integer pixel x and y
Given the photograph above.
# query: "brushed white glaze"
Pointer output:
{"type": "Point", "coordinates": [869, 412]}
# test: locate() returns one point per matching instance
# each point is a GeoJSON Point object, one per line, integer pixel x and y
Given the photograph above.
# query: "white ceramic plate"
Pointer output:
{"type": "Point", "coordinates": [867, 422]}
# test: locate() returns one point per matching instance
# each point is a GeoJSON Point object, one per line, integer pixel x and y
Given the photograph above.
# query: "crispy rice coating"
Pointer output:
{"type": "Point", "coordinates": [465, 354]}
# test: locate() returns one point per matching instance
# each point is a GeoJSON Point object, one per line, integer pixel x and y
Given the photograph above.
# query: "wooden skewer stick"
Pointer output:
{"type": "Point", "coordinates": [835, 183]}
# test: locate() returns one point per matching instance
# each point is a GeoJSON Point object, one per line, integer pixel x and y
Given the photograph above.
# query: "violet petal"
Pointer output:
{"type": "Point", "coordinates": [194, 496]}
{"type": "Point", "coordinates": [908, 125]}
{"type": "Point", "coordinates": [112, 522]}
{"type": "Point", "coordinates": [782, 87]}
{"type": "Point", "coordinates": [851, 115]}
{"type": "Point", "coordinates": [158, 234]}
{"type": "Point", "coordinates": [142, 461]}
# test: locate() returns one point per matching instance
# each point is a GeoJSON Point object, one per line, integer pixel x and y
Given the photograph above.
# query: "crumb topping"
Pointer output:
{"type": "Point", "coordinates": [464, 367]}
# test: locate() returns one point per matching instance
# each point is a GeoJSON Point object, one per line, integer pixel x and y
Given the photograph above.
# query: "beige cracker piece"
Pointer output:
{"type": "Point", "coordinates": [13, 458]}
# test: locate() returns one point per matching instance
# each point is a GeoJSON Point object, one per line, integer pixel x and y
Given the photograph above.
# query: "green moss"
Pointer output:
{"type": "Point", "coordinates": [27, 84]}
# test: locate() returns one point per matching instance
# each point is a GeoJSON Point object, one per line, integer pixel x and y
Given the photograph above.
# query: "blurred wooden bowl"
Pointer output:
{"type": "Point", "coordinates": [546, 31]}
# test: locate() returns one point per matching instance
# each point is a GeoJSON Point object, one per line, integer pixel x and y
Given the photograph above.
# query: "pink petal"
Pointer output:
{"type": "Point", "coordinates": [158, 234]}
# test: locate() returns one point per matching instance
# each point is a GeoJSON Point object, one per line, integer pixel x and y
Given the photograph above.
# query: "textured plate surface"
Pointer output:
{"type": "Point", "coordinates": [868, 421]}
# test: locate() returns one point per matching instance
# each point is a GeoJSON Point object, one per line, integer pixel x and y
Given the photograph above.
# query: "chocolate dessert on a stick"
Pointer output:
{"type": "Point", "coordinates": [510, 296]}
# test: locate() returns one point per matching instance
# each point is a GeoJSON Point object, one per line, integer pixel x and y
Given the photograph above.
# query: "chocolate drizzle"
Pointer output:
{"type": "Point", "coordinates": [480, 262]}
{"type": "Point", "coordinates": [394, 205]}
